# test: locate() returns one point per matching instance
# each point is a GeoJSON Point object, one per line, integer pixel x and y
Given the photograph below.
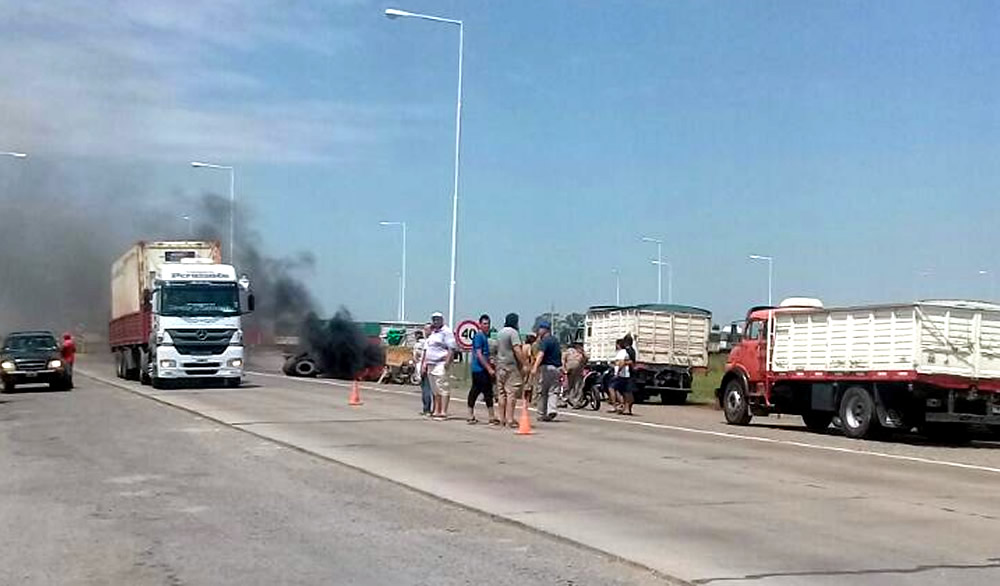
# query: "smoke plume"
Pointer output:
{"type": "Point", "coordinates": [340, 346]}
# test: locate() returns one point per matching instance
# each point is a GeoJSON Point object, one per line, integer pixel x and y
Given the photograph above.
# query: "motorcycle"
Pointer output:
{"type": "Point", "coordinates": [592, 394]}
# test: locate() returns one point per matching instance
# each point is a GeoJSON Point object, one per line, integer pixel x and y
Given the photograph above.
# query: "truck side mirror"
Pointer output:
{"type": "Point", "coordinates": [147, 298]}
{"type": "Point", "coordinates": [251, 303]}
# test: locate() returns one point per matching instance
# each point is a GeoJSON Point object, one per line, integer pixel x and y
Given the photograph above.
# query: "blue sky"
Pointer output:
{"type": "Point", "coordinates": [856, 142]}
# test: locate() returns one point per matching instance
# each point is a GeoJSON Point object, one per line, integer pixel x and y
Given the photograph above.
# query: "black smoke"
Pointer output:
{"type": "Point", "coordinates": [283, 301]}
{"type": "Point", "coordinates": [62, 226]}
{"type": "Point", "coordinates": [340, 347]}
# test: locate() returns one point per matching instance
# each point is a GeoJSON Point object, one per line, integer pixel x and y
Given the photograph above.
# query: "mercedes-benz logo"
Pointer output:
{"type": "Point", "coordinates": [202, 335]}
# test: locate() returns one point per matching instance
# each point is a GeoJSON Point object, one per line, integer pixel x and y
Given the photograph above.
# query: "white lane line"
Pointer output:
{"type": "Point", "coordinates": [692, 430]}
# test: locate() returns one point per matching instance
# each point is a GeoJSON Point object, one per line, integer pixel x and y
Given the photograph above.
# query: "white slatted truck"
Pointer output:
{"type": "Point", "coordinates": [670, 341]}
{"type": "Point", "coordinates": [175, 314]}
{"type": "Point", "coordinates": [931, 365]}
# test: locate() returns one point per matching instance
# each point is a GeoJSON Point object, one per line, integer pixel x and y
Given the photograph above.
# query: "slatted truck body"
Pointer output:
{"type": "Point", "coordinates": [670, 341]}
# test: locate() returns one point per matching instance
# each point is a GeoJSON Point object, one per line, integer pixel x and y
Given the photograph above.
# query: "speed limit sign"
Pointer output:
{"type": "Point", "coordinates": [464, 334]}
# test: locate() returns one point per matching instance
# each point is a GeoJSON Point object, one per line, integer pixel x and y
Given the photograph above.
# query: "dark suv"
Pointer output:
{"type": "Point", "coordinates": [33, 358]}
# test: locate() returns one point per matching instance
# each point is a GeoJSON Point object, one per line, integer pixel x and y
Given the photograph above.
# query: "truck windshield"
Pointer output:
{"type": "Point", "coordinates": [199, 299]}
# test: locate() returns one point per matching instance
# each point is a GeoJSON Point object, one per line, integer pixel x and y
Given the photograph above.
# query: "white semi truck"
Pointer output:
{"type": "Point", "coordinates": [176, 314]}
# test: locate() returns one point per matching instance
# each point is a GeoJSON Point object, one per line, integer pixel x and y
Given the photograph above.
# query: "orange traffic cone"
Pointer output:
{"type": "Point", "coordinates": [524, 425]}
{"type": "Point", "coordinates": [355, 398]}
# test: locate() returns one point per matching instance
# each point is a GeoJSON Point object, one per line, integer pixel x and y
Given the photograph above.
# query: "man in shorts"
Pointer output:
{"type": "Point", "coordinates": [439, 353]}
{"type": "Point", "coordinates": [482, 372]}
{"type": "Point", "coordinates": [508, 370]}
{"type": "Point", "coordinates": [623, 378]}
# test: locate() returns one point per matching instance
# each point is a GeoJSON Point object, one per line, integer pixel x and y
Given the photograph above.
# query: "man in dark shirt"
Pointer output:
{"type": "Point", "coordinates": [549, 364]}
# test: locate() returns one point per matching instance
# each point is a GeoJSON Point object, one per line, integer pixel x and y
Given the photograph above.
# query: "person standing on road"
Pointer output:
{"type": "Point", "coordinates": [529, 350]}
{"type": "Point", "coordinates": [437, 358]}
{"type": "Point", "coordinates": [622, 381]}
{"type": "Point", "coordinates": [548, 366]}
{"type": "Point", "coordinates": [419, 349]}
{"type": "Point", "coordinates": [68, 352]}
{"type": "Point", "coordinates": [574, 359]}
{"type": "Point", "coordinates": [509, 366]}
{"type": "Point", "coordinates": [482, 371]}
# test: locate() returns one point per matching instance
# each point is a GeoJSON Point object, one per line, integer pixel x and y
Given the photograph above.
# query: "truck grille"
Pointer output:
{"type": "Point", "coordinates": [31, 364]}
{"type": "Point", "coordinates": [201, 342]}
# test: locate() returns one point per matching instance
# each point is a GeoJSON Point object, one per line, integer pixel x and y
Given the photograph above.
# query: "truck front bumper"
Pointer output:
{"type": "Point", "coordinates": [171, 364]}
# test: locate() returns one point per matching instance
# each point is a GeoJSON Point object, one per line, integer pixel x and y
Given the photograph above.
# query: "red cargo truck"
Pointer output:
{"type": "Point", "coordinates": [933, 365]}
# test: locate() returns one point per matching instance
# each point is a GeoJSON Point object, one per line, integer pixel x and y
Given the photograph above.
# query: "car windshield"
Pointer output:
{"type": "Point", "coordinates": [22, 343]}
{"type": "Point", "coordinates": [199, 299]}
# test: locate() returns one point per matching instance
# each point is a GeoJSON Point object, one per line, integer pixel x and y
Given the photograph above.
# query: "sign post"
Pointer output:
{"type": "Point", "coordinates": [464, 334]}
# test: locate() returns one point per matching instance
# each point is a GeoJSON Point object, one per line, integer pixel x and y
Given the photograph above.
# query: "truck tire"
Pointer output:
{"type": "Point", "coordinates": [817, 421]}
{"type": "Point", "coordinates": [735, 404]}
{"type": "Point", "coordinates": [947, 433]}
{"type": "Point", "coordinates": [858, 416]}
{"type": "Point", "coordinates": [673, 397]}
{"type": "Point", "coordinates": [306, 368]}
{"type": "Point", "coordinates": [119, 364]}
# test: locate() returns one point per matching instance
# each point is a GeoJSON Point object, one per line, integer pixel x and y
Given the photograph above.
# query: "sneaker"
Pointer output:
{"type": "Point", "coordinates": [550, 417]}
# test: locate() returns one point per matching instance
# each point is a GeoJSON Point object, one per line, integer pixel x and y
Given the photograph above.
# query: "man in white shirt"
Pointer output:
{"type": "Point", "coordinates": [438, 354]}
{"type": "Point", "coordinates": [418, 361]}
{"type": "Point", "coordinates": [622, 381]}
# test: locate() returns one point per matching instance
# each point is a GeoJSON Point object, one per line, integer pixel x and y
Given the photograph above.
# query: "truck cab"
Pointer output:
{"type": "Point", "coordinates": [196, 331]}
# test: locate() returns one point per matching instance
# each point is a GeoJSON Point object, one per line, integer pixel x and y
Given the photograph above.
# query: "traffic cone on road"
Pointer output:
{"type": "Point", "coordinates": [524, 424]}
{"type": "Point", "coordinates": [355, 399]}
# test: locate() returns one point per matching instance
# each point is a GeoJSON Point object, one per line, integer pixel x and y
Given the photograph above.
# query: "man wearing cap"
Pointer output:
{"type": "Point", "coordinates": [549, 364]}
{"type": "Point", "coordinates": [438, 354]}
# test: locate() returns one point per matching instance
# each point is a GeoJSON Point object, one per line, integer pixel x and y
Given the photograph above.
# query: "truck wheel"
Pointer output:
{"type": "Point", "coordinates": [947, 433]}
{"type": "Point", "coordinates": [734, 403]}
{"type": "Point", "coordinates": [119, 365]}
{"type": "Point", "coordinates": [817, 421]}
{"type": "Point", "coordinates": [858, 416]}
{"type": "Point", "coordinates": [305, 367]}
{"type": "Point", "coordinates": [673, 397]}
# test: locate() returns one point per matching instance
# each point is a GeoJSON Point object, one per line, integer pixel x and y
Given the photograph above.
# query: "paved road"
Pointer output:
{"type": "Point", "coordinates": [692, 499]}
{"type": "Point", "coordinates": [99, 486]}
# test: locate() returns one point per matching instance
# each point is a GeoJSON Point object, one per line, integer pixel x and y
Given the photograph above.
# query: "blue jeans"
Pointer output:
{"type": "Point", "coordinates": [425, 393]}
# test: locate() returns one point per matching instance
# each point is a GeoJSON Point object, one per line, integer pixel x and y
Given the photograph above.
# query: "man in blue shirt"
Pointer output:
{"type": "Point", "coordinates": [482, 372]}
{"type": "Point", "coordinates": [549, 363]}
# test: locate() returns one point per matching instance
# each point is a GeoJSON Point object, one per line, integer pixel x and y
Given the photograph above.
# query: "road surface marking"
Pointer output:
{"type": "Point", "coordinates": [723, 434]}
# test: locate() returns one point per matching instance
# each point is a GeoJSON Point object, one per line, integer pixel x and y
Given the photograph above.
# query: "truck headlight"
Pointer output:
{"type": "Point", "coordinates": [8, 365]}
{"type": "Point", "coordinates": [167, 363]}
{"type": "Point", "coordinates": [55, 363]}
{"type": "Point", "coordinates": [236, 362]}
{"type": "Point", "coordinates": [163, 339]}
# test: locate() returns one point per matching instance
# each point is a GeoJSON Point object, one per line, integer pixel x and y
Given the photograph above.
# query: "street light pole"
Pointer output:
{"type": "Point", "coordinates": [770, 273]}
{"type": "Point", "coordinates": [670, 278]}
{"type": "Point", "coordinates": [393, 13]}
{"type": "Point", "coordinates": [618, 286]}
{"type": "Point", "coordinates": [14, 154]}
{"type": "Point", "coordinates": [190, 229]}
{"type": "Point", "coordinates": [659, 266]}
{"type": "Point", "coordinates": [402, 286]}
{"type": "Point", "coordinates": [232, 202]}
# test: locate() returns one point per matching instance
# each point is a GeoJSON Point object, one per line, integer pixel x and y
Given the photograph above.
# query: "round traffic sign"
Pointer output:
{"type": "Point", "coordinates": [464, 334]}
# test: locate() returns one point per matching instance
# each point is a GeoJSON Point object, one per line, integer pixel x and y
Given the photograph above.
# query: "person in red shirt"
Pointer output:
{"type": "Point", "coordinates": [68, 352]}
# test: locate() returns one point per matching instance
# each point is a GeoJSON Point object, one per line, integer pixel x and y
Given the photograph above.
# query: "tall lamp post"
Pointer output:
{"type": "Point", "coordinates": [670, 278]}
{"type": "Point", "coordinates": [394, 13]}
{"type": "Point", "coordinates": [770, 273]}
{"type": "Point", "coordinates": [993, 283]}
{"type": "Point", "coordinates": [232, 202]}
{"type": "Point", "coordinates": [618, 286]}
{"type": "Point", "coordinates": [402, 277]}
{"type": "Point", "coordinates": [659, 266]}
